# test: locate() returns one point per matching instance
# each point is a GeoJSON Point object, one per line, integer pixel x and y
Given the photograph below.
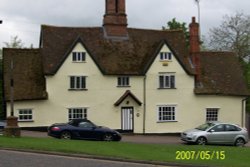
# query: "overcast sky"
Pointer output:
{"type": "Point", "coordinates": [24, 17]}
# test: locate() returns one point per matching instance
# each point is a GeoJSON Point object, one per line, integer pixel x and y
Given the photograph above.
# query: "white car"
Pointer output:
{"type": "Point", "coordinates": [216, 133]}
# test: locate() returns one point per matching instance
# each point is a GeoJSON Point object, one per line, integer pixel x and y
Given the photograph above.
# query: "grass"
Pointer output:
{"type": "Point", "coordinates": [235, 157]}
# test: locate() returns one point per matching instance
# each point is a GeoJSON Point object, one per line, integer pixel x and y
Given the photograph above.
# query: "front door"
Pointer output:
{"type": "Point", "coordinates": [127, 119]}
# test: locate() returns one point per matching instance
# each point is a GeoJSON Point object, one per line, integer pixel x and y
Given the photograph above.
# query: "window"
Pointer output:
{"type": "Point", "coordinates": [232, 128]}
{"type": "Point", "coordinates": [77, 113]}
{"type": "Point", "coordinates": [78, 56]}
{"type": "Point", "coordinates": [165, 56]}
{"type": "Point", "coordinates": [212, 114]}
{"type": "Point", "coordinates": [166, 113]}
{"type": "Point", "coordinates": [77, 82]}
{"type": "Point", "coordinates": [86, 125]}
{"type": "Point", "coordinates": [218, 128]}
{"type": "Point", "coordinates": [25, 115]}
{"type": "Point", "coordinates": [123, 81]}
{"type": "Point", "coordinates": [167, 80]}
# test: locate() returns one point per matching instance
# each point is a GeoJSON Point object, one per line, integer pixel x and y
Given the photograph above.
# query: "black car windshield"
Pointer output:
{"type": "Point", "coordinates": [205, 126]}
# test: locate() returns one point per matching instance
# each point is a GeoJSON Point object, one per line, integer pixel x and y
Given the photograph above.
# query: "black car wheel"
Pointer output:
{"type": "Point", "coordinates": [239, 142]}
{"type": "Point", "coordinates": [65, 135]}
{"type": "Point", "coordinates": [201, 141]}
{"type": "Point", "coordinates": [107, 137]}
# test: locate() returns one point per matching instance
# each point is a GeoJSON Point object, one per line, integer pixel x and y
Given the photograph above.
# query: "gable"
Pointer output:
{"type": "Point", "coordinates": [165, 60]}
{"type": "Point", "coordinates": [71, 67]}
{"type": "Point", "coordinates": [76, 47]}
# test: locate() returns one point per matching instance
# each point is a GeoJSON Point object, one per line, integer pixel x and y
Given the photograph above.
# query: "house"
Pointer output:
{"type": "Point", "coordinates": [139, 80]}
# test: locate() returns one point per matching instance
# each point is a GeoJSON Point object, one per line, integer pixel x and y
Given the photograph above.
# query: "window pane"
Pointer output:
{"type": "Point", "coordinates": [83, 82]}
{"type": "Point", "coordinates": [172, 80]}
{"type": "Point", "coordinates": [78, 82]}
{"type": "Point", "coordinates": [74, 56]}
{"type": "Point", "coordinates": [83, 56]}
{"type": "Point", "coordinates": [169, 56]}
{"type": "Point", "coordinates": [167, 82]}
{"type": "Point", "coordinates": [161, 81]}
{"type": "Point", "coordinates": [127, 81]}
{"type": "Point", "coordinates": [161, 56]}
{"type": "Point", "coordinates": [119, 81]}
{"type": "Point", "coordinates": [72, 82]}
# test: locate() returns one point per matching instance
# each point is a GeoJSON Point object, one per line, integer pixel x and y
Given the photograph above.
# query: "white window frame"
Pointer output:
{"type": "Point", "coordinates": [123, 81]}
{"type": "Point", "coordinates": [212, 114]}
{"type": "Point", "coordinates": [167, 113]}
{"type": "Point", "coordinates": [166, 56]}
{"type": "Point", "coordinates": [167, 81]}
{"type": "Point", "coordinates": [77, 82]}
{"type": "Point", "coordinates": [77, 113]}
{"type": "Point", "coordinates": [25, 115]}
{"type": "Point", "coordinates": [78, 56]}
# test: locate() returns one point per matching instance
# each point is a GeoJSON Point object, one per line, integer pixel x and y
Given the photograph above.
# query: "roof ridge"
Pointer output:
{"type": "Point", "coordinates": [129, 28]}
{"type": "Point", "coordinates": [22, 49]}
{"type": "Point", "coordinates": [218, 53]}
{"type": "Point", "coordinates": [76, 27]}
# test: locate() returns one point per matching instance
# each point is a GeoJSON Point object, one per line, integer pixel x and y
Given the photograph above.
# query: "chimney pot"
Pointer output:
{"type": "Point", "coordinates": [193, 20]}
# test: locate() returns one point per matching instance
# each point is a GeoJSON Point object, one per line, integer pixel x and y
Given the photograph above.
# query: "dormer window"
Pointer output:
{"type": "Point", "coordinates": [79, 56]}
{"type": "Point", "coordinates": [165, 56]}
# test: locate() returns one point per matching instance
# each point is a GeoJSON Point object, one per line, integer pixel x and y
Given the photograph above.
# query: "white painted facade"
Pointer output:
{"type": "Point", "coordinates": [102, 92]}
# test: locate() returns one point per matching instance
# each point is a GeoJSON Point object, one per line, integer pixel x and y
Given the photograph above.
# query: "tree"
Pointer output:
{"type": "Point", "coordinates": [15, 42]}
{"type": "Point", "coordinates": [232, 35]}
{"type": "Point", "coordinates": [174, 25]}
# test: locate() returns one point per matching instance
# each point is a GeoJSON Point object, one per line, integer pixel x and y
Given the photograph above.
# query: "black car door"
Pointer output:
{"type": "Point", "coordinates": [86, 130]}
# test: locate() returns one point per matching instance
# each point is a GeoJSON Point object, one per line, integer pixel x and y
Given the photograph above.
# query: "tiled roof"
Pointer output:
{"type": "Point", "coordinates": [113, 57]}
{"type": "Point", "coordinates": [29, 81]}
{"type": "Point", "coordinates": [222, 74]}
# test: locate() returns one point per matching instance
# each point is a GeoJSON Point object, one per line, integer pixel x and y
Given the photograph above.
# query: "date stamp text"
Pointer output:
{"type": "Point", "coordinates": [200, 155]}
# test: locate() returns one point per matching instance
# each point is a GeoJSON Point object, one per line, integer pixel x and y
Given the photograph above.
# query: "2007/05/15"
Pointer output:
{"type": "Point", "coordinates": [203, 155]}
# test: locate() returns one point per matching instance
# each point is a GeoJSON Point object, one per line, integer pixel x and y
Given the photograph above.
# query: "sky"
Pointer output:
{"type": "Point", "coordinates": [23, 18]}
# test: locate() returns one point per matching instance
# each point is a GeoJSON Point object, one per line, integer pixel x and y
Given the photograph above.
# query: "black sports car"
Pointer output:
{"type": "Point", "coordinates": [83, 129]}
{"type": "Point", "coordinates": [2, 126]}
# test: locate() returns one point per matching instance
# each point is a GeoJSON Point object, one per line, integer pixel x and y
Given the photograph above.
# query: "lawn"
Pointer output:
{"type": "Point", "coordinates": [187, 154]}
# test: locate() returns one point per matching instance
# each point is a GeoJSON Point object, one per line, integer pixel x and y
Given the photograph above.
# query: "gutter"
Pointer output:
{"type": "Point", "coordinates": [243, 111]}
{"type": "Point", "coordinates": [144, 104]}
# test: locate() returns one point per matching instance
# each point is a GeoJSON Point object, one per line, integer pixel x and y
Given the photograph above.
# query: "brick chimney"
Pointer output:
{"type": "Point", "coordinates": [115, 19]}
{"type": "Point", "coordinates": [194, 49]}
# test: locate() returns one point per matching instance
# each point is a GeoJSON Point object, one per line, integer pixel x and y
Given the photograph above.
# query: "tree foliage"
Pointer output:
{"type": "Point", "coordinates": [175, 25]}
{"type": "Point", "coordinates": [15, 42]}
{"type": "Point", "coordinates": [232, 35]}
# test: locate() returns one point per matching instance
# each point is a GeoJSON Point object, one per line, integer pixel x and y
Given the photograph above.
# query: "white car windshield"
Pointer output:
{"type": "Point", "coordinates": [205, 126]}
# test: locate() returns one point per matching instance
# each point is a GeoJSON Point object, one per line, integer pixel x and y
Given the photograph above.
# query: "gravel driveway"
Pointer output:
{"type": "Point", "coordinates": [153, 139]}
{"type": "Point", "coordinates": [149, 139]}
